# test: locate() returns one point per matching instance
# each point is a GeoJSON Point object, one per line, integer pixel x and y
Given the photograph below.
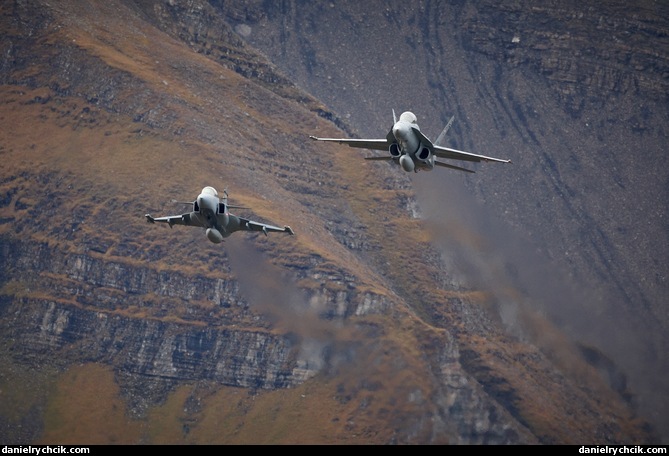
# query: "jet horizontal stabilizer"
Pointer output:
{"type": "Point", "coordinates": [446, 165]}
{"type": "Point", "coordinates": [380, 158]}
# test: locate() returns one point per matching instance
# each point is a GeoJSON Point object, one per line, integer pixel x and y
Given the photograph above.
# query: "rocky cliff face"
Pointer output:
{"type": "Point", "coordinates": [574, 93]}
{"type": "Point", "coordinates": [361, 318]}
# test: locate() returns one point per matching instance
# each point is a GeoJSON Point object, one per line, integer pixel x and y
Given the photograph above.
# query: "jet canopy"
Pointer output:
{"type": "Point", "coordinates": [409, 117]}
{"type": "Point", "coordinates": [210, 191]}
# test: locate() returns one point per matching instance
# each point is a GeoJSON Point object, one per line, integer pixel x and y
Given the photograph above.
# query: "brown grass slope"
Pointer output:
{"type": "Point", "coordinates": [111, 117]}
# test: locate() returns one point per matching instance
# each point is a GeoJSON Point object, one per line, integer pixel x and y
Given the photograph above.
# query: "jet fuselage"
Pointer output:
{"type": "Point", "coordinates": [413, 154]}
{"type": "Point", "coordinates": [207, 208]}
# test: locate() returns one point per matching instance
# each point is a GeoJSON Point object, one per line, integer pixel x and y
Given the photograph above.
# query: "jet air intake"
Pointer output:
{"type": "Point", "coordinates": [394, 150]}
{"type": "Point", "coordinates": [423, 153]}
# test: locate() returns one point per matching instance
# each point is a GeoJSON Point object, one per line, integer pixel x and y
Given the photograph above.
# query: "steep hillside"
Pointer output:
{"type": "Point", "coordinates": [356, 330]}
{"type": "Point", "coordinates": [575, 93]}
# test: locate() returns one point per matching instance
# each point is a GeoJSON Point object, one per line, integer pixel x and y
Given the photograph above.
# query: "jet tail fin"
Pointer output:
{"type": "Point", "coordinates": [225, 196]}
{"type": "Point", "coordinates": [443, 132]}
{"type": "Point", "coordinates": [394, 118]}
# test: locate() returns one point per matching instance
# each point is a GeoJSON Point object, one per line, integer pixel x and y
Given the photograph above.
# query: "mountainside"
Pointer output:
{"type": "Point", "coordinates": [365, 327]}
{"type": "Point", "coordinates": [575, 93]}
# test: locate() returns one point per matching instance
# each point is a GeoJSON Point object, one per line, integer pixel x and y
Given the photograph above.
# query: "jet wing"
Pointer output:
{"type": "Point", "coordinates": [249, 225]}
{"type": "Point", "coordinates": [184, 219]}
{"type": "Point", "coordinates": [445, 152]}
{"type": "Point", "coordinates": [376, 144]}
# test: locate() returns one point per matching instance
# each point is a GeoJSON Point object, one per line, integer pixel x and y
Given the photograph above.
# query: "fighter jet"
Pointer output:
{"type": "Point", "coordinates": [211, 212]}
{"type": "Point", "coordinates": [411, 149]}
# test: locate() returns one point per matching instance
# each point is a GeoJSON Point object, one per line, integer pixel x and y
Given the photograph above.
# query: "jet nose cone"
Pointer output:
{"type": "Point", "coordinates": [398, 132]}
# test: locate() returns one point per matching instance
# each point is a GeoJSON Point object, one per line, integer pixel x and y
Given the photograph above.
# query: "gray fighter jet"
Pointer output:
{"type": "Point", "coordinates": [411, 149]}
{"type": "Point", "coordinates": [211, 212]}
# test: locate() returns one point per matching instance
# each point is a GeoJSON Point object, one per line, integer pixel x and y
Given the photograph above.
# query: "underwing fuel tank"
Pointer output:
{"type": "Point", "coordinates": [407, 163]}
{"type": "Point", "coordinates": [214, 235]}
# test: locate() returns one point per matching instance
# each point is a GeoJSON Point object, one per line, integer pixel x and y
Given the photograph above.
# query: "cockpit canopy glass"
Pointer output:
{"type": "Point", "coordinates": [408, 117]}
{"type": "Point", "coordinates": [210, 191]}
